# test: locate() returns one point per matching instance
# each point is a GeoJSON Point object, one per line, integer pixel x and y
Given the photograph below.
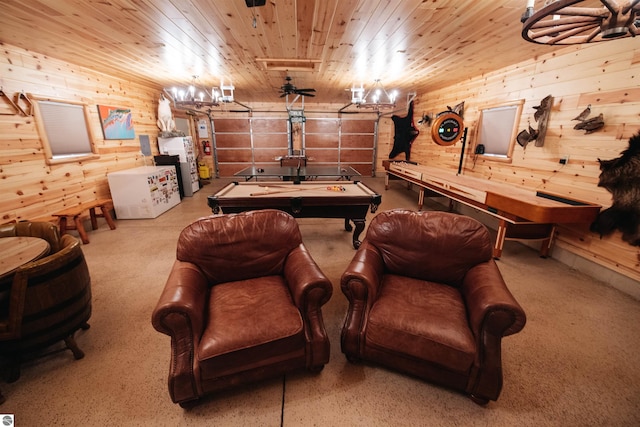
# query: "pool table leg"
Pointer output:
{"type": "Point", "coordinates": [359, 223]}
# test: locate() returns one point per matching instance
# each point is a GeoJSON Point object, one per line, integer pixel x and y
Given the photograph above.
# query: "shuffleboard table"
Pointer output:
{"type": "Point", "coordinates": [523, 214]}
{"type": "Point", "coordinates": [350, 200]}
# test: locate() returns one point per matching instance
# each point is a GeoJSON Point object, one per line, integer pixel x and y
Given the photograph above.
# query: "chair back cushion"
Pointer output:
{"type": "Point", "coordinates": [43, 230]}
{"type": "Point", "coordinates": [240, 246]}
{"type": "Point", "coordinates": [429, 245]}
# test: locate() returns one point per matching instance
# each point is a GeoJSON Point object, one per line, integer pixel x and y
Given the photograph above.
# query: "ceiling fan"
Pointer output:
{"type": "Point", "coordinates": [288, 88]}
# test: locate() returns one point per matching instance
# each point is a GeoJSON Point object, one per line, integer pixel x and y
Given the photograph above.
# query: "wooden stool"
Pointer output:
{"type": "Point", "coordinates": [75, 213]}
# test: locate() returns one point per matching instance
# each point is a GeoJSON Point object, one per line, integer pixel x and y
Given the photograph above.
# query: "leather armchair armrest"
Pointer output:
{"type": "Point", "coordinates": [184, 293]}
{"type": "Point", "coordinates": [493, 314]}
{"type": "Point", "coordinates": [366, 270]}
{"type": "Point", "coordinates": [310, 290]}
{"type": "Point", "coordinates": [303, 275]}
{"type": "Point", "coordinates": [360, 283]}
{"type": "Point", "coordinates": [180, 314]}
{"type": "Point", "coordinates": [490, 304]}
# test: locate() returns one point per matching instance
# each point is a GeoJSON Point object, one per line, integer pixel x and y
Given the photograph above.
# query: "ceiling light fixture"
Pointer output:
{"type": "Point", "coordinates": [560, 22]}
{"type": "Point", "coordinates": [196, 97]}
{"type": "Point", "coordinates": [253, 4]}
{"type": "Point", "coordinates": [376, 98]}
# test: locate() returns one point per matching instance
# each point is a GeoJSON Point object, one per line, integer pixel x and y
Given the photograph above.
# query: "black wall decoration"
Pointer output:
{"type": "Point", "coordinates": [405, 133]}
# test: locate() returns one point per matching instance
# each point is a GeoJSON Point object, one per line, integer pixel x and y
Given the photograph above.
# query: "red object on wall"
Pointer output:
{"type": "Point", "coordinates": [206, 147]}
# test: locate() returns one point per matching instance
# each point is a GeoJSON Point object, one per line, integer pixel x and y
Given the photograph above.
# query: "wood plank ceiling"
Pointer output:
{"type": "Point", "coordinates": [410, 45]}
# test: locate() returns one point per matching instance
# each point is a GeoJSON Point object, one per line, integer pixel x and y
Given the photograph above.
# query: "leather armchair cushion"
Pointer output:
{"type": "Point", "coordinates": [245, 331]}
{"type": "Point", "coordinates": [245, 242]}
{"type": "Point", "coordinates": [455, 244]}
{"type": "Point", "coordinates": [442, 336]}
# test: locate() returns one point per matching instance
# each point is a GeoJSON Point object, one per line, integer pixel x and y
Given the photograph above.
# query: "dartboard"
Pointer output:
{"type": "Point", "coordinates": [447, 128]}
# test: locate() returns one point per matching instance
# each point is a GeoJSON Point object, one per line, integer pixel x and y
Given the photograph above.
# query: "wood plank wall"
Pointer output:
{"type": "Point", "coordinates": [30, 187]}
{"type": "Point", "coordinates": [605, 75]}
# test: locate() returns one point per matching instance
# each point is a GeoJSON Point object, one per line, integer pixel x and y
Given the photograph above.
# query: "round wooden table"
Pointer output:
{"type": "Point", "coordinates": [16, 251]}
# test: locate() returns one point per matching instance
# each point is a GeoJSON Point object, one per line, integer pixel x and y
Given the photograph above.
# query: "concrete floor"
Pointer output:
{"type": "Point", "coordinates": [573, 364]}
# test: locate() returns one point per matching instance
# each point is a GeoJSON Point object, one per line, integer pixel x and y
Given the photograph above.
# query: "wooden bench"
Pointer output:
{"type": "Point", "coordinates": [75, 214]}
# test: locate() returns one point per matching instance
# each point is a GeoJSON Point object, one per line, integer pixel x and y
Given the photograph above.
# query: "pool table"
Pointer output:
{"type": "Point", "coordinates": [350, 200]}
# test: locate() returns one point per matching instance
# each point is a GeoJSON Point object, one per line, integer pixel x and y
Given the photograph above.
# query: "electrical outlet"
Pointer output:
{"type": "Point", "coordinates": [564, 160]}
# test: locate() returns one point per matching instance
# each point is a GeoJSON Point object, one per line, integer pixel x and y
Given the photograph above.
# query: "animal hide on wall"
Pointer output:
{"type": "Point", "coordinates": [405, 133]}
{"type": "Point", "coordinates": [621, 177]}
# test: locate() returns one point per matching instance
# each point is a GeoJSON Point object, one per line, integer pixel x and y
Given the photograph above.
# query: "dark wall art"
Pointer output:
{"type": "Point", "coordinates": [405, 133]}
{"type": "Point", "coordinates": [621, 177]}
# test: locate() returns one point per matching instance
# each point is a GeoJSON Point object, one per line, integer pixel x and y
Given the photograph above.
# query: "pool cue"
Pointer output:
{"type": "Point", "coordinates": [288, 186]}
{"type": "Point", "coordinates": [285, 190]}
{"type": "Point", "coordinates": [274, 186]}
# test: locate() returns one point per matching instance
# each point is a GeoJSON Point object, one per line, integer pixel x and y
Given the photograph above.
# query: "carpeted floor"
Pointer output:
{"type": "Point", "coordinates": [574, 364]}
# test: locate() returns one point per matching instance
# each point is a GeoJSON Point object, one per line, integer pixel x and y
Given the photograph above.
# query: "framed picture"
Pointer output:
{"type": "Point", "coordinates": [117, 123]}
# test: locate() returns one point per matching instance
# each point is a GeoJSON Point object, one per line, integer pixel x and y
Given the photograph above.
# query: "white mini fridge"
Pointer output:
{"type": "Point", "coordinates": [183, 147]}
{"type": "Point", "coordinates": [144, 192]}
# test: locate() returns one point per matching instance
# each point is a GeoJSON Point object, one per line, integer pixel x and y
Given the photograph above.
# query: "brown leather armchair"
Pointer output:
{"type": "Point", "coordinates": [44, 301]}
{"type": "Point", "coordinates": [426, 298]}
{"type": "Point", "coordinates": [242, 303]}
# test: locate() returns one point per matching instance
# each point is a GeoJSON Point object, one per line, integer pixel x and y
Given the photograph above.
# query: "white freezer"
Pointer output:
{"type": "Point", "coordinates": [144, 192]}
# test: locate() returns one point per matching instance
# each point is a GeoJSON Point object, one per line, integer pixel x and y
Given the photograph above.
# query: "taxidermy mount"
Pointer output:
{"type": "Point", "coordinates": [405, 133]}
{"type": "Point", "coordinates": [542, 117]}
{"type": "Point", "coordinates": [165, 119]}
{"type": "Point", "coordinates": [621, 177]}
{"type": "Point", "coordinates": [589, 125]}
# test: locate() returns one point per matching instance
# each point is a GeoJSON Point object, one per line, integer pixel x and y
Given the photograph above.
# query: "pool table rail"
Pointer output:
{"type": "Point", "coordinates": [352, 204]}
